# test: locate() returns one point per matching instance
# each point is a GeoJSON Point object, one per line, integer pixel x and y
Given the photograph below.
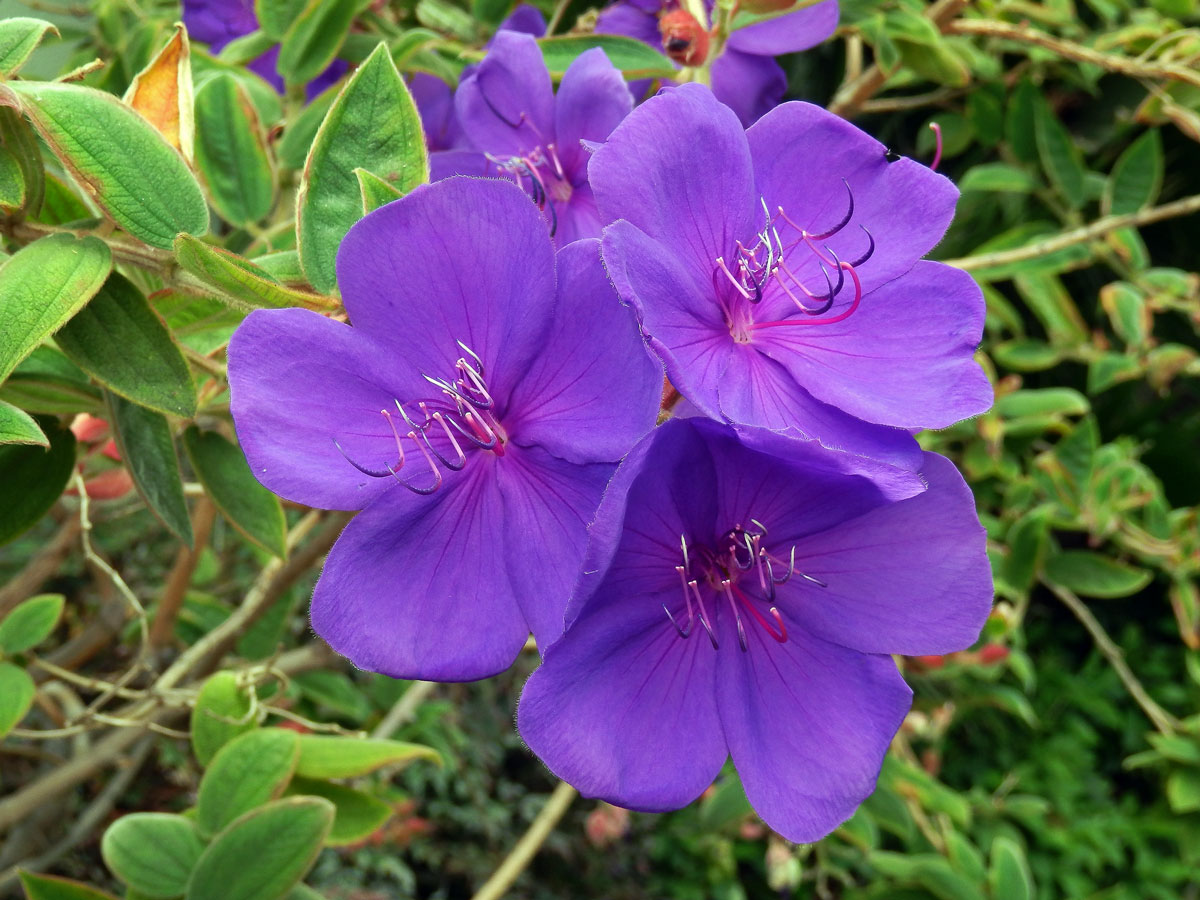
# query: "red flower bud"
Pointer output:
{"type": "Point", "coordinates": [684, 38]}
{"type": "Point", "coordinates": [992, 653]}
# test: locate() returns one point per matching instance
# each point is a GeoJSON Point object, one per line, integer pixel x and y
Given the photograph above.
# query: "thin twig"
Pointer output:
{"type": "Point", "coordinates": [403, 709]}
{"type": "Point", "coordinates": [100, 563]}
{"type": "Point", "coordinates": [1097, 229]}
{"type": "Point", "coordinates": [1124, 65]}
{"type": "Point", "coordinates": [1163, 720]}
{"type": "Point", "coordinates": [527, 847]}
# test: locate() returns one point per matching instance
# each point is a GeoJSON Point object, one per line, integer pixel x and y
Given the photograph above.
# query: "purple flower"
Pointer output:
{"type": "Point", "coordinates": [474, 412]}
{"type": "Point", "coordinates": [777, 271]}
{"type": "Point", "coordinates": [509, 112]}
{"type": "Point", "coordinates": [217, 22]}
{"type": "Point", "coordinates": [743, 603]}
{"type": "Point", "coordinates": [745, 77]}
{"type": "Point", "coordinates": [435, 98]}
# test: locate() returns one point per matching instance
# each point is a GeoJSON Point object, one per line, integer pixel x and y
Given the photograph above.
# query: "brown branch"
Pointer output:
{"type": "Point", "coordinates": [163, 625]}
{"type": "Point", "coordinates": [851, 96]}
{"type": "Point", "coordinates": [1097, 229]}
{"type": "Point", "coordinates": [1163, 720]}
{"type": "Point", "coordinates": [1123, 65]}
{"type": "Point", "coordinates": [40, 567]}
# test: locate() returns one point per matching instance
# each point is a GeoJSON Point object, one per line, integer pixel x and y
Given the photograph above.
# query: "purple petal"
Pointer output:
{"type": "Point", "coordinates": [788, 34]}
{"type": "Point", "coordinates": [417, 586]}
{"type": "Point", "coordinates": [910, 577]}
{"type": "Point", "coordinates": [594, 390]}
{"type": "Point", "coordinates": [592, 100]}
{"type": "Point", "coordinates": [749, 85]}
{"type": "Point", "coordinates": [444, 163]}
{"type": "Point", "coordinates": [904, 358]}
{"type": "Point", "coordinates": [525, 19]}
{"type": "Point", "coordinates": [465, 259]}
{"type": "Point", "coordinates": [298, 382]}
{"type": "Point", "coordinates": [330, 76]}
{"type": "Point", "coordinates": [506, 106]}
{"type": "Point", "coordinates": [905, 206]}
{"type": "Point", "coordinates": [217, 22]}
{"type": "Point", "coordinates": [548, 504]}
{"type": "Point", "coordinates": [678, 316]}
{"type": "Point", "coordinates": [679, 169]}
{"type": "Point", "coordinates": [435, 104]}
{"type": "Point", "coordinates": [808, 724]}
{"type": "Point", "coordinates": [265, 67]}
{"type": "Point", "coordinates": [578, 219]}
{"type": "Point", "coordinates": [624, 710]}
{"type": "Point", "coordinates": [629, 20]}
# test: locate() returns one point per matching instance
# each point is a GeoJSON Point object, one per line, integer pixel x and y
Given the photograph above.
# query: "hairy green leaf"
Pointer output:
{"type": "Point", "coordinates": [144, 438]}
{"type": "Point", "coordinates": [19, 37]}
{"type": "Point", "coordinates": [221, 713]}
{"type": "Point", "coordinates": [18, 427]}
{"type": "Point", "coordinates": [16, 696]}
{"type": "Point", "coordinates": [247, 772]}
{"type": "Point", "coordinates": [328, 756]}
{"type": "Point", "coordinates": [30, 623]}
{"type": "Point", "coordinates": [635, 59]}
{"type": "Point", "coordinates": [153, 853]}
{"type": "Point", "coordinates": [231, 151]}
{"type": "Point", "coordinates": [374, 125]}
{"type": "Point", "coordinates": [32, 479]}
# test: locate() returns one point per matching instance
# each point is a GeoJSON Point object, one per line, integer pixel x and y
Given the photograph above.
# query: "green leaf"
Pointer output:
{"type": "Point", "coordinates": [999, 177]}
{"type": "Point", "coordinates": [16, 696]}
{"type": "Point", "coordinates": [50, 887]}
{"type": "Point", "coordinates": [19, 37]}
{"type": "Point", "coordinates": [928, 870]}
{"type": "Point", "coordinates": [1041, 402]}
{"type": "Point", "coordinates": [1009, 877]}
{"type": "Point", "coordinates": [1093, 575]}
{"type": "Point", "coordinates": [374, 125]}
{"type": "Point", "coordinates": [18, 139]}
{"type": "Point", "coordinates": [231, 151]}
{"type": "Point", "coordinates": [1051, 302]}
{"type": "Point", "coordinates": [292, 149]}
{"type": "Point", "coordinates": [1183, 790]}
{"type": "Point", "coordinates": [314, 38]}
{"type": "Point", "coordinates": [1026, 355]}
{"type": "Point", "coordinates": [247, 772]}
{"type": "Point", "coordinates": [48, 382]}
{"type": "Point", "coordinates": [334, 690]}
{"type": "Point", "coordinates": [634, 59]}
{"type": "Point", "coordinates": [18, 427]}
{"type": "Point", "coordinates": [120, 341]}
{"type": "Point", "coordinates": [358, 815]}
{"type": "Point", "coordinates": [238, 278]}
{"type": "Point", "coordinates": [144, 439]}
{"type": "Point", "coordinates": [42, 286]}
{"type": "Point", "coordinates": [1026, 544]}
{"type": "Point", "coordinates": [32, 480]}
{"type": "Point", "coordinates": [1136, 177]}
{"type": "Point", "coordinates": [1061, 160]}
{"type": "Point", "coordinates": [30, 623]}
{"type": "Point", "coordinates": [221, 714]}
{"type": "Point", "coordinates": [327, 756]}
{"type": "Point", "coordinates": [274, 16]}
{"type": "Point", "coordinates": [153, 853]}
{"type": "Point", "coordinates": [249, 507]}
{"type": "Point", "coordinates": [12, 182]}
{"type": "Point", "coordinates": [375, 191]}
{"type": "Point", "coordinates": [128, 168]}
{"type": "Point", "coordinates": [264, 853]}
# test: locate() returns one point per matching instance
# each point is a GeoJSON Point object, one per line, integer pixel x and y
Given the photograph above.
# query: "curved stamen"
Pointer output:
{"type": "Point", "coordinates": [845, 314]}
{"type": "Point", "coordinates": [870, 250]}
{"type": "Point", "coordinates": [437, 475]}
{"type": "Point", "coordinates": [845, 219]}
{"type": "Point", "coordinates": [499, 115]}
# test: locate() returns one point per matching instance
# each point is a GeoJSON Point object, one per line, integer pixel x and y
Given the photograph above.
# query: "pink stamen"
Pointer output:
{"type": "Point", "coordinates": [937, 152]}
{"type": "Point", "coordinates": [845, 314]}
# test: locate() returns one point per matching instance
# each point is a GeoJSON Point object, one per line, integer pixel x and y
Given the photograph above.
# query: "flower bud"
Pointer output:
{"type": "Point", "coordinates": [684, 39]}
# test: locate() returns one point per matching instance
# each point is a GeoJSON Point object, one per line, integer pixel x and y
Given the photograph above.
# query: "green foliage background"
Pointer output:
{"type": "Point", "coordinates": [1060, 758]}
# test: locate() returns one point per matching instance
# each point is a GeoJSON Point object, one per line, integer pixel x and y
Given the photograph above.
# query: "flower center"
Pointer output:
{"type": "Point", "coordinates": [741, 573]}
{"type": "Point", "coordinates": [462, 416]}
{"type": "Point", "coordinates": [772, 260]}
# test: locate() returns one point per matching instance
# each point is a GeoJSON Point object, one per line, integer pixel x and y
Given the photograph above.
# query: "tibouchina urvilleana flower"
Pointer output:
{"type": "Point", "coordinates": [741, 604]}
{"type": "Point", "coordinates": [474, 410]}
{"type": "Point", "coordinates": [777, 271]}
{"type": "Point", "coordinates": [745, 77]}
{"type": "Point", "coordinates": [510, 114]}
{"type": "Point", "coordinates": [435, 98]}
{"type": "Point", "coordinates": [217, 22]}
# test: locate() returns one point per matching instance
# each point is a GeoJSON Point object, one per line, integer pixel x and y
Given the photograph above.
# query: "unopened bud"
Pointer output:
{"type": "Point", "coordinates": [685, 40]}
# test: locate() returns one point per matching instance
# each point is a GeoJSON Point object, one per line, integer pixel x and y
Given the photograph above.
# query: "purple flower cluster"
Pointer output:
{"type": "Point", "coordinates": [727, 583]}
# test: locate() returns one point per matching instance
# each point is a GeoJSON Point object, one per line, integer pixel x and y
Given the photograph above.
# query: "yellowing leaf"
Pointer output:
{"type": "Point", "coordinates": [162, 93]}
